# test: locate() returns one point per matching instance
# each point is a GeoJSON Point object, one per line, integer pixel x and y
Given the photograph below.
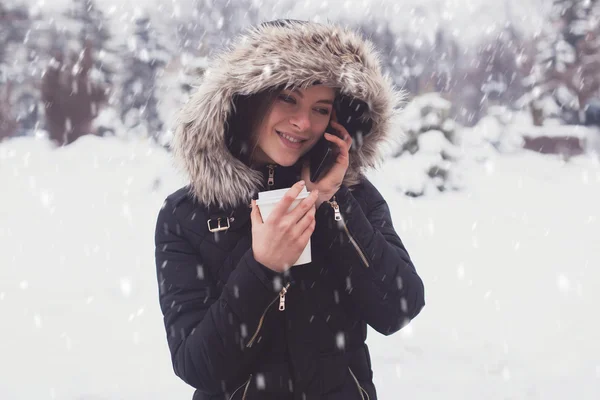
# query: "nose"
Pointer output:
{"type": "Point", "coordinates": [301, 120]}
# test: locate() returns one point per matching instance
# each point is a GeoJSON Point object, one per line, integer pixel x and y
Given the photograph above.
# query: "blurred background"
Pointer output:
{"type": "Point", "coordinates": [493, 180]}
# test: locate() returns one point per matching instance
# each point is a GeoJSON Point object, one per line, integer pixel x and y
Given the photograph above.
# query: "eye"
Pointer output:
{"type": "Point", "coordinates": [287, 98]}
{"type": "Point", "coordinates": [322, 111]}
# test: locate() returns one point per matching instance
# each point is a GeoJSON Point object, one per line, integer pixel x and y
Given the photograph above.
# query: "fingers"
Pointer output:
{"type": "Point", "coordinates": [305, 222]}
{"type": "Point", "coordinates": [286, 201]}
{"type": "Point", "coordinates": [307, 232]}
{"type": "Point", "coordinates": [346, 137]}
{"type": "Point", "coordinates": [343, 143]}
{"type": "Point", "coordinates": [301, 209]}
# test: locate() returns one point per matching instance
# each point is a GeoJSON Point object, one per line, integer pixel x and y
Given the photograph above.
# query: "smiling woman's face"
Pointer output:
{"type": "Point", "coordinates": [295, 122]}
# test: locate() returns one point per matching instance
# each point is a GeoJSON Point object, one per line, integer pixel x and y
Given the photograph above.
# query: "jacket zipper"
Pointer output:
{"type": "Point", "coordinates": [246, 384]}
{"type": "Point", "coordinates": [281, 297]}
{"type": "Point", "coordinates": [360, 388]}
{"type": "Point", "coordinates": [271, 181]}
{"type": "Point", "coordinates": [338, 217]}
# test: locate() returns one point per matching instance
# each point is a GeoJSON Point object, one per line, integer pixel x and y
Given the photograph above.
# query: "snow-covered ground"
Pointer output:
{"type": "Point", "coordinates": [511, 270]}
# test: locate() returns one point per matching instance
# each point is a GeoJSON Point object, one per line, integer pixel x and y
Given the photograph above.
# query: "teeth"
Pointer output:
{"type": "Point", "coordinates": [291, 139]}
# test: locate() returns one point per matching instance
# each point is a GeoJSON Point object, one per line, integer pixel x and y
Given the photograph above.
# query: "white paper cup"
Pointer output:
{"type": "Point", "coordinates": [266, 203]}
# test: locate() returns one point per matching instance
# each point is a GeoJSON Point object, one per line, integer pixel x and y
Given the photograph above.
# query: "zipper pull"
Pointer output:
{"type": "Point", "coordinates": [282, 297]}
{"type": "Point", "coordinates": [336, 209]}
{"type": "Point", "coordinates": [271, 181]}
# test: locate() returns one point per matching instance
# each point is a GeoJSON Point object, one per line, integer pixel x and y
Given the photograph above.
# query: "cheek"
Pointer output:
{"type": "Point", "coordinates": [260, 134]}
{"type": "Point", "coordinates": [320, 126]}
{"type": "Point", "coordinates": [277, 114]}
{"type": "Point", "coordinates": [266, 127]}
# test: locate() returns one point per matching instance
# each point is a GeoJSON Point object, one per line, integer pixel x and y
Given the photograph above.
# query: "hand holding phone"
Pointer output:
{"type": "Point", "coordinates": [349, 113]}
{"type": "Point", "coordinates": [328, 176]}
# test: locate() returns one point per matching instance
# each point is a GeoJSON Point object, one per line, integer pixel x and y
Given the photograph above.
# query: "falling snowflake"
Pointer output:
{"type": "Point", "coordinates": [398, 371]}
{"type": "Point", "coordinates": [563, 283]}
{"type": "Point", "coordinates": [260, 382]}
{"type": "Point", "coordinates": [505, 373]}
{"type": "Point", "coordinates": [37, 320]}
{"type": "Point", "coordinates": [460, 272]}
{"type": "Point", "coordinates": [340, 341]}
{"type": "Point", "coordinates": [125, 285]}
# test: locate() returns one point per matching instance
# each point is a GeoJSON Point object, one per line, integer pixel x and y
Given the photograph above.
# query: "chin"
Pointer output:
{"type": "Point", "coordinates": [285, 161]}
{"type": "Point", "coordinates": [284, 158]}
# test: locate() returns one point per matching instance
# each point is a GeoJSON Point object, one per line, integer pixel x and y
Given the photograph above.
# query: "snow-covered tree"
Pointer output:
{"type": "Point", "coordinates": [394, 61]}
{"type": "Point", "coordinates": [72, 100]}
{"type": "Point", "coordinates": [212, 24]}
{"type": "Point", "coordinates": [440, 66]}
{"type": "Point", "coordinates": [79, 71]}
{"type": "Point", "coordinates": [576, 18]}
{"type": "Point", "coordinates": [428, 146]}
{"type": "Point", "coordinates": [144, 59]}
{"type": "Point", "coordinates": [87, 24]}
{"type": "Point", "coordinates": [417, 64]}
{"type": "Point", "coordinates": [567, 69]}
{"type": "Point", "coordinates": [495, 75]}
{"type": "Point", "coordinates": [18, 107]}
{"type": "Point", "coordinates": [8, 123]}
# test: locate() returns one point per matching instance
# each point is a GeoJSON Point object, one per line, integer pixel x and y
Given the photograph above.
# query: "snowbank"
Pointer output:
{"type": "Point", "coordinates": [510, 266]}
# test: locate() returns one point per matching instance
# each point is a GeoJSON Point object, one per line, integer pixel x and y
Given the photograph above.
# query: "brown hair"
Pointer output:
{"type": "Point", "coordinates": [241, 129]}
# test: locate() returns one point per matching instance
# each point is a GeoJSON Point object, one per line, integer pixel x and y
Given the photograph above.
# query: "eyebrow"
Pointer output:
{"type": "Point", "coordinates": [326, 101]}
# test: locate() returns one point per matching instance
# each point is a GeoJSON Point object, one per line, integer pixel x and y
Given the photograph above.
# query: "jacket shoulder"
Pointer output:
{"type": "Point", "coordinates": [179, 196]}
{"type": "Point", "coordinates": [366, 194]}
{"type": "Point", "coordinates": [179, 207]}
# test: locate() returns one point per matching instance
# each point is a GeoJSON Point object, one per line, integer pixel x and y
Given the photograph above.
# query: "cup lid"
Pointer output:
{"type": "Point", "coordinates": [276, 195]}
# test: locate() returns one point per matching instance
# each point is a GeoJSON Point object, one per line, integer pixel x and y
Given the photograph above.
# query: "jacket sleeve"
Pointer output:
{"type": "Point", "coordinates": [207, 331]}
{"type": "Point", "coordinates": [365, 252]}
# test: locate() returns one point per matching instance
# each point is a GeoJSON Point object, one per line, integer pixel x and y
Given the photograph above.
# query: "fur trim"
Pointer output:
{"type": "Point", "coordinates": [268, 56]}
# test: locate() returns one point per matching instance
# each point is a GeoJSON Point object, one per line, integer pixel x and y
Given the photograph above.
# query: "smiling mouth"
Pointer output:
{"type": "Point", "coordinates": [290, 139]}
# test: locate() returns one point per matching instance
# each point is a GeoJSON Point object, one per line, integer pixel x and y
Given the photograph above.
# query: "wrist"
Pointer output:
{"type": "Point", "coordinates": [266, 265]}
{"type": "Point", "coordinates": [261, 262]}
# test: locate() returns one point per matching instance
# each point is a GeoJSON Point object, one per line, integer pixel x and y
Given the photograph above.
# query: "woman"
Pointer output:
{"type": "Point", "coordinates": [240, 323]}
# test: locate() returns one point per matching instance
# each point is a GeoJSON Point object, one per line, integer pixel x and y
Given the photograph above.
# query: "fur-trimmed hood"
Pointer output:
{"type": "Point", "coordinates": [267, 56]}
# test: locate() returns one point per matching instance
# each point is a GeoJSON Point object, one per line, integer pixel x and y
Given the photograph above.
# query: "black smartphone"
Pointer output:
{"type": "Point", "coordinates": [322, 156]}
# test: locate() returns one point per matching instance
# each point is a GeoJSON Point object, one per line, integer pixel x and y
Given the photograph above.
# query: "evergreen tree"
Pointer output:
{"type": "Point", "coordinates": [92, 28]}
{"type": "Point", "coordinates": [145, 59]}
{"type": "Point", "coordinates": [72, 100]}
{"type": "Point", "coordinates": [494, 75]}
{"type": "Point", "coordinates": [567, 69]}
{"type": "Point", "coordinates": [16, 114]}
{"type": "Point", "coordinates": [214, 23]}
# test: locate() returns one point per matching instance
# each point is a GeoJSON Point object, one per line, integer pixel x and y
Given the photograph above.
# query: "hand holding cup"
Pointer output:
{"type": "Point", "coordinates": [280, 235]}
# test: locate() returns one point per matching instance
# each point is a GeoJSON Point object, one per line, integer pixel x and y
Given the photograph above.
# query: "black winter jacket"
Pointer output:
{"type": "Point", "coordinates": [221, 307]}
{"type": "Point", "coordinates": [236, 329]}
